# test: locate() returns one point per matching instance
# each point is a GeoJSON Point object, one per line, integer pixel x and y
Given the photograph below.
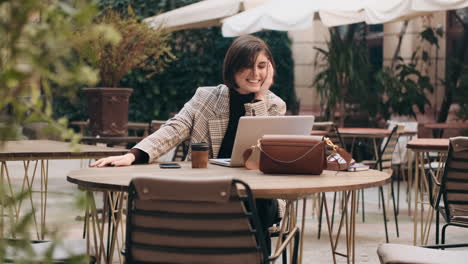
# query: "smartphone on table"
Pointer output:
{"type": "Point", "coordinates": [169, 165]}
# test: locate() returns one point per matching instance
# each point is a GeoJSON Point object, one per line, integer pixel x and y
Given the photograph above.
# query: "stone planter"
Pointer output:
{"type": "Point", "coordinates": [108, 111]}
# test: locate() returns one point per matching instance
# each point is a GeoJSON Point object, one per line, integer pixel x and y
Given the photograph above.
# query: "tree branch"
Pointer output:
{"type": "Point", "coordinates": [400, 40]}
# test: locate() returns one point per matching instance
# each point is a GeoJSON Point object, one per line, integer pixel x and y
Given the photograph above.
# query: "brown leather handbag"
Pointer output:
{"type": "Point", "coordinates": [288, 154]}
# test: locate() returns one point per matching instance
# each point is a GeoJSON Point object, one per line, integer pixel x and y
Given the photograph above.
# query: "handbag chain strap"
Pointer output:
{"type": "Point", "coordinates": [259, 146]}
{"type": "Point", "coordinates": [330, 143]}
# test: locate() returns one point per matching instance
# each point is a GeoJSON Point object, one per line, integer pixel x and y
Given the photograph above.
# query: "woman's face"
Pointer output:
{"type": "Point", "coordinates": [249, 80]}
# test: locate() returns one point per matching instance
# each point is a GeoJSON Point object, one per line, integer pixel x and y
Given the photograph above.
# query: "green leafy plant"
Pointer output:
{"type": "Point", "coordinates": [463, 95]}
{"type": "Point", "coordinates": [344, 70]}
{"type": "Point", "coordinates": [16, 237]}
{"type": "Point", "coordinates": [37, 60]}
{"type": "Point", "coordinates": [404, 88]}
{"type": "Point", "coordinates": [139, 47]}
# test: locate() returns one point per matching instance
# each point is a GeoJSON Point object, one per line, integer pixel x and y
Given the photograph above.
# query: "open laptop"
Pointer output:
{"type": "Point", "coordinates": [251, 128]}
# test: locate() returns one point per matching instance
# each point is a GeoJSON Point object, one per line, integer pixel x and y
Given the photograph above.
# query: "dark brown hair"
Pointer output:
{"type": "Point", "coordinates": [242, 54]}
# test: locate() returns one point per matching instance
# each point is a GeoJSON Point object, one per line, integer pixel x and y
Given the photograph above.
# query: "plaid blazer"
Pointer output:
{"type": "Point", "coordinates": [204, 119]}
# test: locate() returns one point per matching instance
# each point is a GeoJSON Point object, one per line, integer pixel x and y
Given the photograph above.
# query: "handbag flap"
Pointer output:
{"type": "Point", "coordinates": [290, 140]}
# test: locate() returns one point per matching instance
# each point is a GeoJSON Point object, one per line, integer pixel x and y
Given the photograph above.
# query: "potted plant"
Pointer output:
{"type": "Point", "coordinates": [139, 47]}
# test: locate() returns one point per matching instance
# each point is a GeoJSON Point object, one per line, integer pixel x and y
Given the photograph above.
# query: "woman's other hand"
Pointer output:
{"type": "Point", "coordinates": [267, 83]}
{"type": "Point", "coordinates": [117, 161]}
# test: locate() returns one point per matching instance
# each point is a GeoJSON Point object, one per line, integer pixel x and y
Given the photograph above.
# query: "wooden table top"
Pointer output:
{"type": "Point", "coordinates": [369, 132]}
{"type": "Point", "coordinates": [111, 140]}
{"type": "Point", "coordinates": [429, 144]}
{"type": "Point", "coordinates": [449, 125]}
{"type": "Point", "coordinates": [319, 133]}
{"type": "Point", "coordinates": [50, 149]}
{"type": "Point", "coordinates": [262, 185]}
{"type": "Point", "coordinates": [131, 125]}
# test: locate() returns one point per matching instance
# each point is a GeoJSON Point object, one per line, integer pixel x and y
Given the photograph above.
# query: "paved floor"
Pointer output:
{"type": "Point", "coordinates": [63, 217]}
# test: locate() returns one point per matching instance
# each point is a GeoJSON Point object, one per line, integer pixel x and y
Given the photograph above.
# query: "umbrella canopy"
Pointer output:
{"type": "Point", "coordinates": [298, 14]}
{"type": "Point", "coordinates": [201, 14]}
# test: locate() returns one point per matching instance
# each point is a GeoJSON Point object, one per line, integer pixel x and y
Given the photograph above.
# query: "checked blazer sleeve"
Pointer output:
{"type": "Point", "coordinates": [204, 119]}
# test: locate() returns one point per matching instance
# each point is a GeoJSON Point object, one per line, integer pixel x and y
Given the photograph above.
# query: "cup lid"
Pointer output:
{"type": "Point", "coordinates": [200, 146]}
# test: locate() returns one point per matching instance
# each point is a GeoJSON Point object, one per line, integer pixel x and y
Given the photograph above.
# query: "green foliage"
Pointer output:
{"type": "Point", "coordinates": [16, 236]}
{"type": "Point", "coordinates": [406, 85]}
{"type": "Point", "coordinates": [462, 93]}
{"type": "Point", "coordinates": [135, 46]}
{"type": "Point", "coordinates": [37, 61]}
{"type": "Point", "coordinates": [344, 69]}
{"type": "Point", "coordinates": [404, 88]}
{"type": "Point", "coordinates": [348, 80]}
{"type": "Point", "coordinates": [200, 54]}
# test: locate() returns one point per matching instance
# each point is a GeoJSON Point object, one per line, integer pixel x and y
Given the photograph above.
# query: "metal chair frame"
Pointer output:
{"type": "Point", "coordinates": [251, 213]}
{"type": "Point", "coordinates": [443, 195]}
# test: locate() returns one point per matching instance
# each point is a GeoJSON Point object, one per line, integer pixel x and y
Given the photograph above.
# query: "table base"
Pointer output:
{"type": "Point", "coordinates": [421, 214]}
{"type": "Point", "coordinates": [27, 189]}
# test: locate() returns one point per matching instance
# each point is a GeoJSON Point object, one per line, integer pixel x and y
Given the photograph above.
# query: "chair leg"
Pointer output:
{"type": "Point", "coordinates": [285, 253]}
{"type": "Point", "coordinates": [443, 233]}
{"type": "Point", "coordinates": [398, 193]}
{"type": "Point", "coordinates": [384, 213]}
{"type": "Point", "coordinates": [296, 247]}
{"type": "Point", "coordinates": [395, 213]}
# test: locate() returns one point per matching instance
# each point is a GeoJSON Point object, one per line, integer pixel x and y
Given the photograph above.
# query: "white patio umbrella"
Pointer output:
{"type": "Point", "coordinates": [298, 14]}
{"type": "Point", "coordinates": [201, 14]}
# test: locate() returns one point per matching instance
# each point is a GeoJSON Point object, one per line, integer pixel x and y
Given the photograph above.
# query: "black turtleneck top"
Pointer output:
{"type": "Point", "coordinates": [236, 110]}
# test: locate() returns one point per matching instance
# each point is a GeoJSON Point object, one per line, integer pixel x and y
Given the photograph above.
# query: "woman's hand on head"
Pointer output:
{"type": "Point", "coordinates": [117, 161]}
{"type": "Point", "coordinates": [267, 83]}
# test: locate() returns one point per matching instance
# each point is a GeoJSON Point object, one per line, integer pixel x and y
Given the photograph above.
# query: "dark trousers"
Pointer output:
{"type": "Point", "coordinates": [268, 214]}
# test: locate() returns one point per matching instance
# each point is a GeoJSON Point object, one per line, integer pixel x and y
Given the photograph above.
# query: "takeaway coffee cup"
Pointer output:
{"type": "Point", "coordinates": [200, 155]}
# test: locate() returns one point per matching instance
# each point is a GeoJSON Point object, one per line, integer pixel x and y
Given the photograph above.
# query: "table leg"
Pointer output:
{"type": "Point", "coordinates": [416, 189]}
{"type": "Point", "coordinates": [95, 227]}
{"type": "Point", "coordinates": [349, 220]}
{"type": "Point", "coordinates": [7, 189]}
{"type": "Point", "coordinates": [29, 185]}
{"type": "Point", "coordinates": [44, 190]}
{"type": "Point", "coordinates": [410, 179]}
{"type": "Point", "coordinates": [301, 241]}
{"type": "Point", "coordinates": [2, 202]}
{"type": "Point", "coordinates": [429, 216]}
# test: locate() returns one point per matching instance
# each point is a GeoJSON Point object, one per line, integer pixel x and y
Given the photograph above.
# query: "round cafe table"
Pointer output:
{"type": "Point", "coordinates": [114, 181]}
{"type": "Point", "coordinates": [371, 133]}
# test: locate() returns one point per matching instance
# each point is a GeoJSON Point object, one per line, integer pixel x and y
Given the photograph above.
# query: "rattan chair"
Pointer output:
{"type": "Point", "coordinates": [196, 220]}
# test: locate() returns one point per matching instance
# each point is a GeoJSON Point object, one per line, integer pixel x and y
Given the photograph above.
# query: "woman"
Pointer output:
{"type": "Point", "coordinates": [213, 113]}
